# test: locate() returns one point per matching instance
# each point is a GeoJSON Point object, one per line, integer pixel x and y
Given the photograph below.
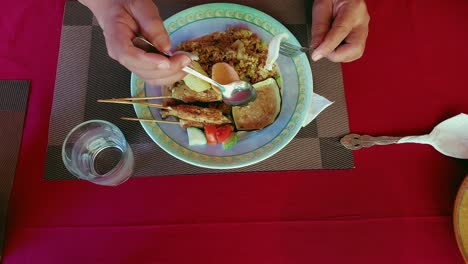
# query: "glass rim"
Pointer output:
{"type": "Point", "coordinates": [74, 129]}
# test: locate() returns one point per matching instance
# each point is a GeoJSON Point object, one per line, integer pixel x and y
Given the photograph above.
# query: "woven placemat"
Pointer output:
{"type": "Point", "coordinates": [86, 73]}
{"type": "Point", "coordinates": [13, 104]}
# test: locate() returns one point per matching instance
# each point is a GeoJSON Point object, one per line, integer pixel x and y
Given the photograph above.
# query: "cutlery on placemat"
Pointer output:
{"type": "Point", "coordinates": [449, 138]}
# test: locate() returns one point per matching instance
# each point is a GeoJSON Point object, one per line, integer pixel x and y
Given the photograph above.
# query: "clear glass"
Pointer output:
{"type": "Point", "coordinates": [97, 151]}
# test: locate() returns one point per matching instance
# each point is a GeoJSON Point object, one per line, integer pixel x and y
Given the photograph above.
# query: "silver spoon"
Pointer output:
{"type": "Point", "coordinates": [234, 93]}
{"type": "Point", "coordinates": [450, 138]}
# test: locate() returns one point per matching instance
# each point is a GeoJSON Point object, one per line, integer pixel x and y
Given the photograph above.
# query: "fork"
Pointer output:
{"type": "Point", "coordinates": [291, 50]}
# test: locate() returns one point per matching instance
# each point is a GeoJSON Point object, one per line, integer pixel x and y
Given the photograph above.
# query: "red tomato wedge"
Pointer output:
{"type": "Point", "coordinates": [210, 133]}
{"type": "Point", "coordinates": [223, 133]}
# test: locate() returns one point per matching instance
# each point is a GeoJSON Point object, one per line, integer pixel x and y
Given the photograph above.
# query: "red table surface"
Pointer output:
{"type": "Point", "coordinates": [394, 207]}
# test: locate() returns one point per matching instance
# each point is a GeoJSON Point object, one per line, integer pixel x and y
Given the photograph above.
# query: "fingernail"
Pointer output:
{"type": "Point", "coordinates": [163, 65]}
{"type": "Point", "coordinates": [316, 57]}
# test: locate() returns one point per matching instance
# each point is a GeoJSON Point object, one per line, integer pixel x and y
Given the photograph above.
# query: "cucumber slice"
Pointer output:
{"type": "Point", "coordinates": [231, 142]}
{"type": "Point", "coordinates": [279, 81]}
{"type": "Point", "coordinates": [196, 136]}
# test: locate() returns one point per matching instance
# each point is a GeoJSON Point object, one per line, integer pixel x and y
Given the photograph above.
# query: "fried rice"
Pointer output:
{"type": "Point", "coordinates": [239, 47]}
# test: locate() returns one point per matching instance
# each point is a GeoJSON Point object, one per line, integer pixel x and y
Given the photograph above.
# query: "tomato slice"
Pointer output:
{"type": "Point", "coordinates": [210, 133]}
{"type": "Point", "coordinates": [223, 133]}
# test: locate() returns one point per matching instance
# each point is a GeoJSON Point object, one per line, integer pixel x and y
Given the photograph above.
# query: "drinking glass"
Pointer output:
{"type": "Point", "coordinates": [97, 151]}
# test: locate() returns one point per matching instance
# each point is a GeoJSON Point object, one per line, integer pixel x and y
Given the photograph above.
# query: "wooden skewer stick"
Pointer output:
{"type": "Point", "coordinates": [150, 120]}
{"type": "Point", "coordinates": [140, 98]}
{"type": "Point", "coordinates": [129, 102]}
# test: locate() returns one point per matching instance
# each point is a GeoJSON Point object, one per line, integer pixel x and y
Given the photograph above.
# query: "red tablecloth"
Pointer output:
{"type": "Point", "coordinates": [395, 207]}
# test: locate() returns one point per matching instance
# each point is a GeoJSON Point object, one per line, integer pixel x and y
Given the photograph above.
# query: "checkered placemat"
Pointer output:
{"type": "Point", "coordinates": [86, 73]}
{"type": "Point", "coordinates": [13, 104]}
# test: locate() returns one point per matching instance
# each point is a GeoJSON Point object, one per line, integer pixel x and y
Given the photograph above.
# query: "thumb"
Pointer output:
{"type": "Point", "coordinates": [146, 14]}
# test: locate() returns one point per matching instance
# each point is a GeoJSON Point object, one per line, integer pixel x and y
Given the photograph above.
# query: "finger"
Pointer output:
{"type": "Point", "coordinates": [153, 75]}
{"type": "Point", "coordinates": [147, 16]}
{"type": "Point", "coordinates": [346, 53]}
{"type": "Point", "coordinates": [120, 47]}
{"type": "Point", "coordinates": [179, 61]}
{"type": "Point", "coordinates": [172, 73]}
{"type": "Point", "coordinates": [139, 59]}
{"type": "Point", "coordinates": [176, 63]}
{"type": "Point", "coordinates": [146, 75]}
{"type": "Point", "coordinates": [322, 15]}
{"type": "Point", "coordinates": [156, 62]}
{"type": "Point", "coordinates": [135, 58]}
{"type": "Point", "coordinates": [169, 80]}
{"type": "Point", "coordinates": [353, 48]}
{"type": "Point", "coordinates": [341, 27]}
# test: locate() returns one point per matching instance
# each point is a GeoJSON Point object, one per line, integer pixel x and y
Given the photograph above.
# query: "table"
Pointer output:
{"type": "Point", "coordinates": [394, 207]}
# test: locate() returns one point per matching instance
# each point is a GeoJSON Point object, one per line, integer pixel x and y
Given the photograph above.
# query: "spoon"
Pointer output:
{"type": "Point", "coordinates": [449, 138]}
{"type": "Point", "coordinates": [234, 93]}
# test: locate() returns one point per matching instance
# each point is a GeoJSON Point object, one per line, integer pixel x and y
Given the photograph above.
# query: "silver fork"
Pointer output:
{"type": "Point", "coordinates": [291, 50]}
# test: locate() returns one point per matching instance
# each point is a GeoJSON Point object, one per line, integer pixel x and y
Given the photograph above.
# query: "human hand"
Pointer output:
{"type": "Point", "coordinates": [121, 21]}
{"type": "Point", "coordinates": [339, 29]}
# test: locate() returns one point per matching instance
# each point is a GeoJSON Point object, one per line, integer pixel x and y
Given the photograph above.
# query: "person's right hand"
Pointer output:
{"type": "Point", "coordinates": [121, 21]}
{"type": "Point", "coordinates": [339, 29]}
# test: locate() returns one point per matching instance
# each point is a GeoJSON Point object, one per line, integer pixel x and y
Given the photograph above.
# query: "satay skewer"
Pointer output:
{"type": "Point", "coordinates": [113, 101]}
{"type": "Point", "coordinates": [188, 112]}
{"type": "Point", "coordinates": [181, 93]}
{"type": "Point", "coordinates": [150, 120]}
{"type": "Point", "coordinates": [140, 98]}
{"type": "Point", "coordinates": [183, 123]}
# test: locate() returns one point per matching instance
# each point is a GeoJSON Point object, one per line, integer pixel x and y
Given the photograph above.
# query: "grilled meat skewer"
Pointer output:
{"type": "Point", "coordinates": [183, 93]}
{"type": "Point", "coordinates": [196, 113]}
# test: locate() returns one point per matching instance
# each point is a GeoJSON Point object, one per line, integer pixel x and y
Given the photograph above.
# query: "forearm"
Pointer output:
{"type": "Point", "coordinates": [99, 8]}
{"type": "Point", "coordinates": [95, 5]}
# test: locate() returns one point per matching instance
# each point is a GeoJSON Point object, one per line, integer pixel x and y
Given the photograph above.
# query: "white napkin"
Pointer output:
{"type": "Point", "coordinates": [319, 103]}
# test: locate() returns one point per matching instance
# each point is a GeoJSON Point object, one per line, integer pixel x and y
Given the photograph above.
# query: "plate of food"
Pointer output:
{"type": "Point", "coordinates": [228, 42]}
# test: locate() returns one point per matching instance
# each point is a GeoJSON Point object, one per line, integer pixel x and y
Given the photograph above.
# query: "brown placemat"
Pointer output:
{"type": "Point", "coordinates": [86, 73]}
{"type": "Point", "coordinates": [13, 104]}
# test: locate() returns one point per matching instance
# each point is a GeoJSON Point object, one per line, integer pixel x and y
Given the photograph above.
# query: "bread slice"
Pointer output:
{"type": "Point", "coordinates": [261, 112]}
